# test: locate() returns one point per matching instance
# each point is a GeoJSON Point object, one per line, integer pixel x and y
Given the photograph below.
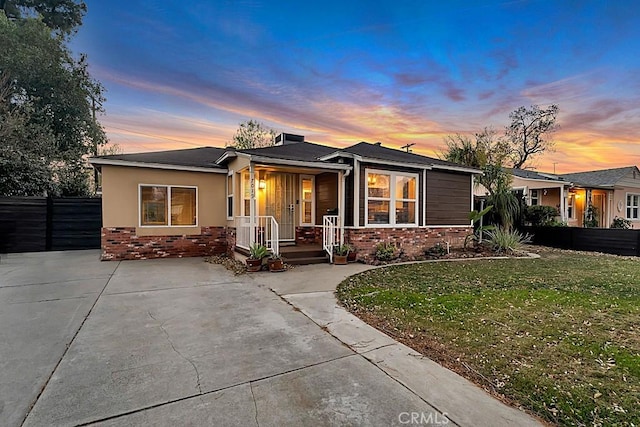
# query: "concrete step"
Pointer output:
{"type": "Point", "coordinates": [306, 260]}
{"type": "Point", "coordinates": [303, 254]}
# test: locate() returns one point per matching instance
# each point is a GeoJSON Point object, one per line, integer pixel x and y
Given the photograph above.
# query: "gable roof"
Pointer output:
{"type": "Point", "coordinates": [303, 151]}
{"type": "Point", "coordinates": [202, 158]}
{"type": "Point", "coordinates": [540, 176]}
{"type": "Point", "coordinates": [599, 178]}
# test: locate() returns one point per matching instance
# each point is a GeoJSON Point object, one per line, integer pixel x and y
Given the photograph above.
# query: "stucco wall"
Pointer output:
{"type": "Point", "coordinates": [120, 197]}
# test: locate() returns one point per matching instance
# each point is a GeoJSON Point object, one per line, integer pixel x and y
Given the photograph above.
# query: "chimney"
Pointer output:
{"type": "Point", "coordinates": [379, 144]}
{"type": "Point", "coordinates": [288, 138]}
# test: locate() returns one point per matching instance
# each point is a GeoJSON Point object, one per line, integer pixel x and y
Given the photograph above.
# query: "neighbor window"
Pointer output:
{"type": "Point", "coordinates": [230, 195]}
{"type": "Point", "coordinates": [633, 206]}
{"type": "Point", "coordinates": [162, 205]}
{"type": "Point", "coordinates": [391, 198]}
{"type": "Point", "coordinates": [534, 198]}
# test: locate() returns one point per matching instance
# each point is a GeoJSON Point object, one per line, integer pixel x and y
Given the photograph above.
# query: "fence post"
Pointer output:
{"type": "Point", "coordinates": [49, 225]}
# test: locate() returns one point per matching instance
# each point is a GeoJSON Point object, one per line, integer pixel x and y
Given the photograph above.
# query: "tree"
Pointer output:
{"type": "Point", "coordinates": [63, 16]}
{"type": "Point", "coordinates": [529, 132]}
{"type": "Point", "coordinates": [49, 108]}
{"type": "Point", "coordinates": [252, 134]}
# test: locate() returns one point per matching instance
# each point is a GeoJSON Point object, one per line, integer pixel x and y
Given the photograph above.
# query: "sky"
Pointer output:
{"type": "Point", "coordinates": [184, 74]}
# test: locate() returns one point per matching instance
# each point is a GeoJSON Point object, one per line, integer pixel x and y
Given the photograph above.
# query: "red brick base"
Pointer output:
{"type": "Point", "coordinates": [412, 241]}
{"type": "Point", "coordinates": [309, 235]}
{"type": "Point", "coordinates": [120, 243]}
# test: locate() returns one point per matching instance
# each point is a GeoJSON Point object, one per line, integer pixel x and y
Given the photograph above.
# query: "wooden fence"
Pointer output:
{"type": "Point", "coordinates": [607, 240]}
{"type": "Point", "coordinates": [33, 224]}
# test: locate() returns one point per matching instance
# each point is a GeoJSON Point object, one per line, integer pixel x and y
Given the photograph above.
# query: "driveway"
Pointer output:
{"type": "Point", "coordinates": [174, 342]}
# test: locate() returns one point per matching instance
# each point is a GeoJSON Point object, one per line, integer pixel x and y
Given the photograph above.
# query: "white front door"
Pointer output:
{"type": "Point", "coordinates": [280, 203]}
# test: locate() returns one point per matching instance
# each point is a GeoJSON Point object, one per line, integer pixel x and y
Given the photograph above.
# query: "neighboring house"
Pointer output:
{"type": "Point", "coordinates": [211, 200]}
{"type": "Point", "coordinates": [613, 192]}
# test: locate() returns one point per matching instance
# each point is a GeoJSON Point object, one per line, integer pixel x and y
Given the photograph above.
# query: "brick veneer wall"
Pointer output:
{"type": "Point", "coordinates": [309, 235]}
{"type": "Point", "coordinates": [120, 243]}
{"type": "Point", "coordinates": [412, 241]}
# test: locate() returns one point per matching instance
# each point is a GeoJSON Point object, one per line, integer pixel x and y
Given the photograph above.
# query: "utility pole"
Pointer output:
{"type": "Point", "coordinates": [408, 147]}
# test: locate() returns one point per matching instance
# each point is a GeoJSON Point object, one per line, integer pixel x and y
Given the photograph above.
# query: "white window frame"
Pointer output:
{"type": "Point", "coordinates": [168, 187]}
{"type": "Point", "coordinates": [313, 200]}
{"type": "Point", "coordinates": [244, 174]}
{"type": "Point", "coordinates": [536, 198]}
{"type": "Point", "coordinates": [632, 206]}
{"type": "Point", "coordinates": [232, 176]}
{"type": "Point", "coordinates": [392, 199]}
{"type": "Point", "coordinates": [571, 204]}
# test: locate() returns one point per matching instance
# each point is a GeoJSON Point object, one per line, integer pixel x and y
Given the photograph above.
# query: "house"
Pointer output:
{"type": "Point", "coordinates": [212, 200]}
{"type": "Point", "coordinates": [613, 193]}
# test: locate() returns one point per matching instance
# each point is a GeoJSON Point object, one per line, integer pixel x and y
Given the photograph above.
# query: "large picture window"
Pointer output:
{"type": "Point", "coordinates": [633, 206]}
{"type": "Point", "coordinates": [167, 206]}
{"type": "Point", "coordinates": [391, 198]}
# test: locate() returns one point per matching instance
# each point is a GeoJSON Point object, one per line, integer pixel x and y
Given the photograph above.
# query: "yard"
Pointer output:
{"type": "Point", "coordinates": [559, 335]}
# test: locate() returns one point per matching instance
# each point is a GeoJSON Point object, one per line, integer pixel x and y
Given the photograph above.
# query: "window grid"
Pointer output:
{"type": "Point", "coordinates": [633, 206]}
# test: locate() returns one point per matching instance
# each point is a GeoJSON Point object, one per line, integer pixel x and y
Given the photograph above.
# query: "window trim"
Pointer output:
{"type": "Point", "coordinates": [168, 187]}
{"type": "Point", "coordinates": [571, 204]}
{"type": "Point", "coordinates": [627, 206]}
{"type": "Point", "coordinates": [313, 200]}
{"type": "Point", "coordinates": [232, 195]}
{"type": "Point", "coordinates": [536, 198]}
{"type": "Point", "coordinates": [392, 198]}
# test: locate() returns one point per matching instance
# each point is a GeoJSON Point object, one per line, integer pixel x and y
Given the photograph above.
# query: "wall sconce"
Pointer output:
{"type": "Point", "coordinates": [371, 179]}
{"type": "Point", "coordinates": [262, 184]}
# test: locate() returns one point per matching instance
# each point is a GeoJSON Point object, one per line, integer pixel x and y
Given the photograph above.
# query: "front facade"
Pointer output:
{"type": "Point", "coordinates": [213, 200]}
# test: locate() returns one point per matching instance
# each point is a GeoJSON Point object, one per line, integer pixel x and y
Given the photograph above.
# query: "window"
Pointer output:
{"type": "Point", "coordinates": [633, 206]}
{"type": "Point", "coordinates": [534, 198]}
{"type": "Point", "coordinates": [391, 198]}
{"type": "Point", "coordinates": [570, 203]}
{"type": "Point", "coordinates": [162, 205]}
{"type": "Point", "coordinates": [246, 194]}
{"type": "Point", "coordinates": [307, 211]}
{"type": "Point", "coordinates": [230, 182]}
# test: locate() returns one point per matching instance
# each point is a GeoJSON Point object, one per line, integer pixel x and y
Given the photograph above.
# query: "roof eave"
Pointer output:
{"type": "Point", "coordinates": [127, 163]}
{"type": "Point", "coordinates": [301, 163]}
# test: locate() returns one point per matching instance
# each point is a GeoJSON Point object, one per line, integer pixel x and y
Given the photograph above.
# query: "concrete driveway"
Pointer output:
{"type": "Point", "coordinates": [174, 342]}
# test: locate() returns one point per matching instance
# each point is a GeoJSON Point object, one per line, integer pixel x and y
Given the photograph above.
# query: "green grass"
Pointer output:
{"type": "Point", "coordinates": [559, 335]}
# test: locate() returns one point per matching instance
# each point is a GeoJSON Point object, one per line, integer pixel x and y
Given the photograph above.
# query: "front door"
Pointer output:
{"type": "Point", "coordinates": [280, 203]}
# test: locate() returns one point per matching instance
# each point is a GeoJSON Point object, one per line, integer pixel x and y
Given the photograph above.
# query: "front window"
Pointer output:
{"type": "Point", "coordinates": [162, 205]}
{"type": "Point", "coordinates": [633, 206]}
{"type": "Point", "coordinates": [391, 198]}
{"type": "Point", "coordinates": [246, 194]}
{"type": "Point", "coordinates": [534, 198]}
{"type": "Point", "coordinates": [230, 195]}
{"type": "Point", "coordinates": [307, 200]}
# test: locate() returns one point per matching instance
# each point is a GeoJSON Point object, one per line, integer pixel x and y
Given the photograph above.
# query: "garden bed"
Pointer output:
{"type": "Point", "coordinates": [558, 335]}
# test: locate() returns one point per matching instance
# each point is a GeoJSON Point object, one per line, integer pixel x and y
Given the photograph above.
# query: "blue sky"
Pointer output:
{"type": "Point", "coordinates": [183, 74]}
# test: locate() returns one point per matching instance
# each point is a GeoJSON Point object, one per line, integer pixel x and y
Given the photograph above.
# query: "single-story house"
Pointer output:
{"type": "Point", "coordinates": [210, 200]}
{"type": "Point", "coordinates": [613, 193]}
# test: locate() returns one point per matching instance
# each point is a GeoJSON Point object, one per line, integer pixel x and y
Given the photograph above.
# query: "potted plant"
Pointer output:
{"type": "Point", "coordinates": [275, 263]}
{"type": "Point", "coordinates": [256, 253]}
{"type": "Point", "coordinates": [340, 254]}
{"type": "Point", "coordinates": [352, 255]}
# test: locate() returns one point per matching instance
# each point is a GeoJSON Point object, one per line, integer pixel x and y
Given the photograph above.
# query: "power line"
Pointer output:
{"type": "Point", "coordinates": [155, 136]}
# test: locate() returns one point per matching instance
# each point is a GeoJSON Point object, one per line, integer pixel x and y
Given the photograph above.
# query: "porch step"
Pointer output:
{"type": "Point", "coordinates": [306, 260]}
{"type": "Point", "coordinates": [303, 254]}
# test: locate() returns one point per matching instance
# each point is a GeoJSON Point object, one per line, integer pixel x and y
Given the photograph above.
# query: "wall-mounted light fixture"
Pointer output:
{"type": "Point", "coordinates": [262, 184]}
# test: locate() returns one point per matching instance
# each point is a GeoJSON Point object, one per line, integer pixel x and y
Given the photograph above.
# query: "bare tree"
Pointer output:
{"type": "Point", "coordinates": [529, 132]}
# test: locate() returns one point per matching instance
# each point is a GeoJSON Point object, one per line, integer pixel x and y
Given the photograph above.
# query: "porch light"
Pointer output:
{"type": "Point", "coordinates": [262, 184]}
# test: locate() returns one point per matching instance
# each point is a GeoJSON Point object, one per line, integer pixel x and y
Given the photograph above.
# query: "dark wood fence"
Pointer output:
{"type": "Point", "coordinates": [607, 240]}
{"type": "Point", "coordinates": [32, 224]}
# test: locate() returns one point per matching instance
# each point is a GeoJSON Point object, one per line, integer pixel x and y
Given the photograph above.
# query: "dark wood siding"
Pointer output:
{"type": "Point", "coordinates": [448, 198]}
{"type": "Point", "coordinates": [326, 194]}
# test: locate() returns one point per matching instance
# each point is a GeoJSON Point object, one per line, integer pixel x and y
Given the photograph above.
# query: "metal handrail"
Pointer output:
{"type": "Point", "coordinates": [331, 233]}
{"type": "Point", "coordinates": [266, 232]}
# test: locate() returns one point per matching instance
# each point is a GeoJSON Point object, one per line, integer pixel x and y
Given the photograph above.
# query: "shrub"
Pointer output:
{"type": "Point", "coordinates": [387, 251]}
{"type": "Point", "coordinates": [436, 250]}
{"type": "Point", "coordinates": [540, 215]}
{"type": "Point", "coordinates": [506, 241]}
{"type": "Point", "coordinates": [621, 223]}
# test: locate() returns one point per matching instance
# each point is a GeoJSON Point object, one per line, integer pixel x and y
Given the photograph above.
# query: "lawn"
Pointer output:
{"type": "Point", "coordinates": [559, 335]}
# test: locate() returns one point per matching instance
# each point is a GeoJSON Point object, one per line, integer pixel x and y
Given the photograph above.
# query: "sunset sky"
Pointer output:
{"type": "Point", "coordinates": [182, 74]}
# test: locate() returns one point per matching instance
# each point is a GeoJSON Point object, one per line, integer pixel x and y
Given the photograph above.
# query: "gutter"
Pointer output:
{"type": "Point", "coordinates": [128, 163]}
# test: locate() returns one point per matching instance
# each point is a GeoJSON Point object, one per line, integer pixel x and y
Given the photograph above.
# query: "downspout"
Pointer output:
{"type": "Point", "coordinates": [343, 201]}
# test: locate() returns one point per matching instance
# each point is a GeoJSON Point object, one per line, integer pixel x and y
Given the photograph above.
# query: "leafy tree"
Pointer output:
{"type": "Point", "coordinates": [529, 131]}
{"type": "Point", "coordinates": [63, 16]}
{"type": "Point", "coordinates": [252, 134]}
{"type": "Point", "coordinates": [48, 107]}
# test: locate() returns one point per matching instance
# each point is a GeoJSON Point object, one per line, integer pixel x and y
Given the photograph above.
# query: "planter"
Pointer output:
{"type": "Point", "coordinates": [352, 256]}
{"type": "Point", "coordinates": [254, 265]}
{"type": "Point", "coordinates": [276, 265]}
{"type": "Point", "coordinates": [340, 259]}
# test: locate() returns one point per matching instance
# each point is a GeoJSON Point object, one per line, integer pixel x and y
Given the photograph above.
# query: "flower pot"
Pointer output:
{"type": "Point", "coordinates": [340, 259]}
{"type": "Point", "coordinates": [276, 265]}
{"type": "Point", "coordinates": [351, 257]}
{"type": "Point", "coordinates": [254, 265]}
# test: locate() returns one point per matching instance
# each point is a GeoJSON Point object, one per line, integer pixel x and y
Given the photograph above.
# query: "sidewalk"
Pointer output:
{"type": "Point", "coordinates": [311, 288]}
